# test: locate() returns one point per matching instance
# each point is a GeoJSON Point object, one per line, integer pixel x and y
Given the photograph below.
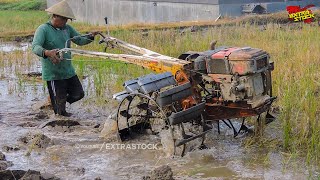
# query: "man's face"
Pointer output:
{"type": "Point", "coordinates": [59, 21]}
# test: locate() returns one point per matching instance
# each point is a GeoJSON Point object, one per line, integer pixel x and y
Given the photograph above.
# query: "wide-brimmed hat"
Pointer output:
{"type": "Point", "coordinates": [62, 9]}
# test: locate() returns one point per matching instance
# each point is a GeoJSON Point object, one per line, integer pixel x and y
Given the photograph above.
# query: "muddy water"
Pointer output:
{"type": "Point", "coordinates": [79, 153]}
{"type": "Point", "coordinates": [12, 46]}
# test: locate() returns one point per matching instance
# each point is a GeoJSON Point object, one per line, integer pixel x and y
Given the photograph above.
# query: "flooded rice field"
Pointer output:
{"type": "Point", "coordinates": [75, 149]}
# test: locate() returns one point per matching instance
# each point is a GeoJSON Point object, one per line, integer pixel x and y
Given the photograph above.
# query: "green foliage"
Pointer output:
{"type": "Point", "coordinates": [105, 76]}
{"type": "Point", "coordinates": [21, 22]}
{"type": "Point", "coordinates": [23, 5]}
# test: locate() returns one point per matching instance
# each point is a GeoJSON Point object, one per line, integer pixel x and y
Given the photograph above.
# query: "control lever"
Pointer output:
{"type": "Point", "coordinates": [106, 21]}
{"type": "Point", "coordinates": [108, 35]}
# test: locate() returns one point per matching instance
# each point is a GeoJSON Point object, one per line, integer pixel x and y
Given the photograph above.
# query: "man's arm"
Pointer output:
{"type": "Point", "coordinates": [80, 40]}
{"type": "Point", "coordinates": [38, 41]}
{"type": "Point", "coordinates": [37, 46]}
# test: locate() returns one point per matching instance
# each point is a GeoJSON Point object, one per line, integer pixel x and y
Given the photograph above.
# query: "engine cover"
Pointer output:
{"type": "Point", "coordinates": [241, 61]}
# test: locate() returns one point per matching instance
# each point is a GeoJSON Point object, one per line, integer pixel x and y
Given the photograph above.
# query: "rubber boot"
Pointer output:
{"type": "Point", "coordinates": [61, 108]}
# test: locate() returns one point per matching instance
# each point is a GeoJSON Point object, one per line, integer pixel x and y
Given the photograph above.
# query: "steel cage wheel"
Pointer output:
{"type": "Point", "coordinates": [154, 115]}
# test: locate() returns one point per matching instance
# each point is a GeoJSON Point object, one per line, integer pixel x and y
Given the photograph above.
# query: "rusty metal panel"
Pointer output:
{"type": "Point", "coordinates": [187, 115]}
{"type": "Point", "coordinates": [234, 110]}
{"type": "Point", "coordinates": [221, 77]}
{"type": "Point", "coordinates": [241, 67]}
{"type": "Point", "coordinates": [246, 53]}
{"type": "Point", "coordinates": [240, 61]}
{"type": "Point", "coordinates": [152, 82]}
{"type": "Point", "coordinates": [174, 94]}
{"type": "Point", "coordinates": [224, 53]}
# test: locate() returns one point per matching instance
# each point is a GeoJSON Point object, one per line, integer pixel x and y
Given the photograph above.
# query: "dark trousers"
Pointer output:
{"type": "Point", "coordinates": [62, 91]}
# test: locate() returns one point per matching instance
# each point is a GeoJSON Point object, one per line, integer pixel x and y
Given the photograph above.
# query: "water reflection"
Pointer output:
{"type": "Point", "coordinates": [11, 46]}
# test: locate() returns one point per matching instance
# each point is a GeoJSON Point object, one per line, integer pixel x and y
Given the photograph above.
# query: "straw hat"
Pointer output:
{"type": "Point", "coordinates": [62, 9]}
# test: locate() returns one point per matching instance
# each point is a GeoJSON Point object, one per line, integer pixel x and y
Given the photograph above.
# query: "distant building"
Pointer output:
{"type": "Point", "coordinates": [157, 11]}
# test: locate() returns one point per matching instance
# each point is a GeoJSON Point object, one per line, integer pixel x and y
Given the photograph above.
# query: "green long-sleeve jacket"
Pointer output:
{"type": "Point", "coordinates": [47, 38]}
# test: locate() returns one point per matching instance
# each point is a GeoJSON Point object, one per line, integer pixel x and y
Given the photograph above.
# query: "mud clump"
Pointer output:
{"type": "Point", "coordinates": [161, 173]}
{"type": "Point", "coordinates": [28, 124]}
{"type": "Point", "coordinates": [25, 175]}
{"type": "Point", "coordinates": [61, 125]}
{"type": "Point", "coordinates": [63, 129]}
{"type": "Point", "coordinates": [38, 140]}
{"type": "Point", "coordinates": [109, 130]}
{"type": "Point", "coordinates": [80, 171]}
{"type": "Point", "coordinates": [96, 126]}
{"type": "Point", "coordinates": [41, 105]}
{"type": "Point", "coordinates": [10, 148]}
{"type": "Point", "coordinates": [2, 156]}
{"type": "Point", "coordinates": [41, 115]}
{"type": "Point", "coordinates": [3, 165]}
{"type": "Point", "coordinates": [55, 123]}
{"type": "Point", "coordinates": [41, 141]}
{"type": "Point", "coordinates": [67, 123]}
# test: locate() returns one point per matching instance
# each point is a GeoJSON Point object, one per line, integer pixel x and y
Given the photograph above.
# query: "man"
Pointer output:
{"type": "Point", "coordinates": [63, 83]}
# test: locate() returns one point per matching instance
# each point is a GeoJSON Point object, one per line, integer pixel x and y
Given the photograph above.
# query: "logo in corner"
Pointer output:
{"type": "Point", "coordinates": [297, 14]}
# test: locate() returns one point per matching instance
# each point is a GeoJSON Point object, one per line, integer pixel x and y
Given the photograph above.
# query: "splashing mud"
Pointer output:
{"type": "Point", "coordinates": [72, 148]}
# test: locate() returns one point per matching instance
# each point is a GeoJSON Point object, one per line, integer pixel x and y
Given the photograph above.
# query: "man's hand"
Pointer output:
{"type": "Point", "coordinates": [53, 55]}
{"type": "Point", "coordinates": [94, 33]}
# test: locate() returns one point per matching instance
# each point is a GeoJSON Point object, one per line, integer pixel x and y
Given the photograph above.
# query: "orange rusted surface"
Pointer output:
{"type": "Point", "coordinates": [186, 103]}
{"type": "Point", "coordinates": [219, 112]}
{"type": "Point", "coordinates": [247, 53]}
{"type": "Point", "coordinates": [223, 53]}
{"type": "Point", "coordinates": [220, 77]}
{"type": "Point", "coordinates": [181, 77]}
{"type": "Point", "coordinates": [240, 67]}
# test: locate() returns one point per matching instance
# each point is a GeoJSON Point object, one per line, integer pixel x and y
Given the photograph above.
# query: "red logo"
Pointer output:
{"type": "Point", "coordinates": [298, 14]}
